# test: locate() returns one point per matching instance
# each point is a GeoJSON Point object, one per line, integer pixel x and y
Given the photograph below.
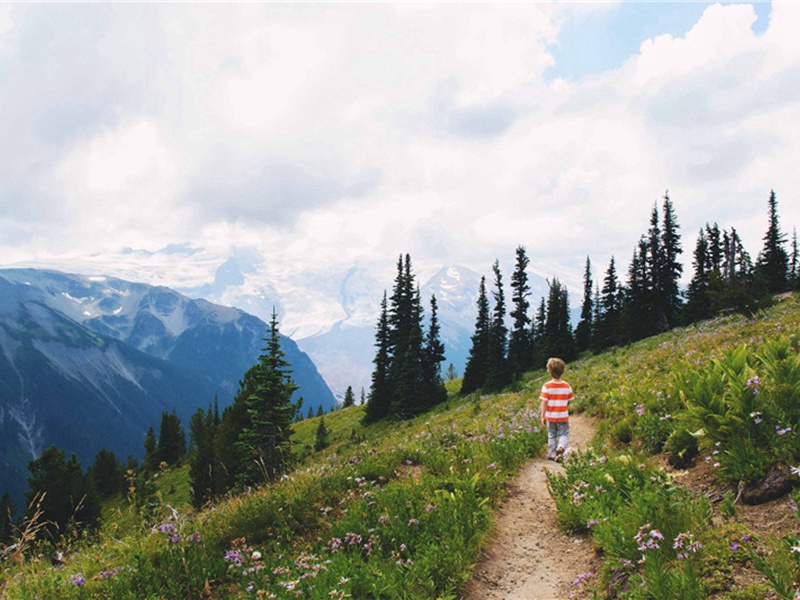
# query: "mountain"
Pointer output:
{"type": "Point", "coordinates": [91, 362]}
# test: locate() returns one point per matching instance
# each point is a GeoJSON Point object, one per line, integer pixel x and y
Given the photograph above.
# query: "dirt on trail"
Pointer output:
{"type": "Point", "coordinates": [528, 556]}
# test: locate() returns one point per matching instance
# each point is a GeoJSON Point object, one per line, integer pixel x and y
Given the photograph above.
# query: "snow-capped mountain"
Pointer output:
{"type": "Point", "coordinates": [91, 362]}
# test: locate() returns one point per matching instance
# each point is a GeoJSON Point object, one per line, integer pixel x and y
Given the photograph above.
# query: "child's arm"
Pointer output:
{"type": "Point", "coordinates": [543, 411]}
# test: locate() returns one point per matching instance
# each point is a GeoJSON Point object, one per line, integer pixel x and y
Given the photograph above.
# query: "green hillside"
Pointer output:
{"type": "Point", "coordinates": [402, 509]}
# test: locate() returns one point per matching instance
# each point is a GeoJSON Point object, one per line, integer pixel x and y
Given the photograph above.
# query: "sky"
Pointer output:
{"type": "Point", "coordinates": [324, 134]}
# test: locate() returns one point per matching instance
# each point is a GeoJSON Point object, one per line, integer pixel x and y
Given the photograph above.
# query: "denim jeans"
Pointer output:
{"type": "Point", "coordinates": [557, 436]}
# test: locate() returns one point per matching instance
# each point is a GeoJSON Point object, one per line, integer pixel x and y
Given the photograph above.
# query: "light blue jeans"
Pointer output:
{"type": "Point", "coordinates": [557, 437]}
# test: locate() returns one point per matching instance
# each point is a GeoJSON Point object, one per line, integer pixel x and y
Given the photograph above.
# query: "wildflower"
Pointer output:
{"type": "Point", "coordinates": [754, 382]}
{"type": "Point", "coordinates": [78, 579]}
{"type": "Point", "coordinates": [256, 555]}
{"type": "Point", "coordinates": [413, 522]}
{"type": "Point", "coordinates": [592, 523]}
{"type": "Point", "coordinates": [796, 548]}
{"type": "Point", "coordinates": [195, 537]}
{"type": "Point", "coordinates": [233, 556]}
{"type": "Point", "coordinates": [794, 470]}
{"type": "Point", "coordinates": [780, 431]}
{"type": "Point", "coordinates": [167, 528]}
{"type": "Point", "coordinates": [640, 409]}
{"type": "Point", "coordinates": [174, 538]}
{"type": "Point", "coordinates": [734, 546]}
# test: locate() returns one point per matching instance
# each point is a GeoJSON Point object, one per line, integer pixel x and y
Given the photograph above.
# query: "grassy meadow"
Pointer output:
{"type": "Point", "coordinates": [402, 509]}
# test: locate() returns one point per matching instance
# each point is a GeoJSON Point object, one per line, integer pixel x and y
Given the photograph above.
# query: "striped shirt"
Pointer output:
{"type": "Point", "coordinates": [557, 394]}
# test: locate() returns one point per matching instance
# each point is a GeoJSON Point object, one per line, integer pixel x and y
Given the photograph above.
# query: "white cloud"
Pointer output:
{"type": "Point", "coordinates": [326, 134]}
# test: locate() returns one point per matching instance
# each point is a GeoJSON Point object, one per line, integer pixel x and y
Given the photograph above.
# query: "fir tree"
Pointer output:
{"type": "Point", "coordinates": [558, 339]}
{"type": "Point", "coordinates": [610, 306]}
{"type": "Point", "coordinates": [202, 460]}
{"type": "Point", "coordinates": [451, 372]}
{"type": "Point", "coordinates": [497, 375]}
{"type": "Point", "coordinates": [310, 414]}
{"type": "Point", "coordinates": [795, 273]}
{"type": "Point", "coordinates": [67, 499]}
{"type": "Point", "coordinates": [320, 411]}
{"type": "Point", "coordinates": [380, 398]}
{"type": "Point", "coordinates": [363, 397]}
{"type": "Point", "coordinates": [349, 398]}
{"type": "Point", "coordinates": [583, 332]}
{"type": "Point", "coordinates": [772, 265]}
{"type": "Point", "coordinates": [6, 519]}
{"type": "Point", "coordinates": [477, 363]}
{"type": "Point", "coordinates": [540, 355]}
{"type": "Point", "coordinates": [171, 439]}
{"type": "Point", "coordinates": [520, 343]}
{"type": "Point", "coordinates": [266, 392]}
{"type": "Point", "coordinates": [433, 386]}
{"type": "Point", "coordinates": [106, 474]}
{"type": "Point", "coordinates": [150, 450]}
{"type": "Point", "coordinates": [636, 300]}
{"type": "Point", "coordinates": [715, 253]}
{"type": "Point", "coordinates": [698, 304]}
{"type": "Point", "coordinates": [321, 436]}
{"type": "Point", "coordinates": [671, 268]}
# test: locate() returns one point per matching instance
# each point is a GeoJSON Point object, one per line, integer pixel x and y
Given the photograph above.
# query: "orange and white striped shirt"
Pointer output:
{"type": "Point", "coordinates": [557, 394]}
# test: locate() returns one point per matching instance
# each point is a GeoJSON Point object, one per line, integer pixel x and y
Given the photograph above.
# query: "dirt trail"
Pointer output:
{"type": "Point", "coordinates": [529, 558]}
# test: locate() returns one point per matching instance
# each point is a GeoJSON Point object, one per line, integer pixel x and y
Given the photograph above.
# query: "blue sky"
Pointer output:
{"type": "Point", "coordinates": [595, 42]}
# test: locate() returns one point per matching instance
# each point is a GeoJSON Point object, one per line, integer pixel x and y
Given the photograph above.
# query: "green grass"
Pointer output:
{"type": "Point", "coordinates": [402, 509]}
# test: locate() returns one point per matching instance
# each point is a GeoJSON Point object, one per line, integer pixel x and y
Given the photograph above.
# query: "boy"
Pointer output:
{"type": "Point", "coordinates": [556, 395]}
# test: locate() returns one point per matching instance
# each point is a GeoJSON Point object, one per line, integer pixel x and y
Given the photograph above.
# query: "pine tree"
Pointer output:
{"type": "Point", "coordinates": [636, 320]}
{"type": "Point", "coordinates": [698, 304]}
{"type": "Point", "coordinates": [520, 343]}
{"type": "Point", "coordinates": [671, 268]}
{"type": "Point", "coordinates": [715, 252]}
{"type": "Point", "coordinates": [558, 339]}
{"type": "Point", "coordinates": [150, 450]}
{"type": "Point", "coordinates": [433, 386]}
{"type": "Point", "coordinates": [497, 375]}
{"type": "Point", "coordinates": [349, 397]}
{"type": "Point", "coordinates": [202, 460]}
{"type": "Point", "coordinates": [363, 397]}
{"type": "Point", "coordinates": [451, 372]}
{"type": "Point", "coordinates": [266, 392]}
{"type": "Point", "coordinates": [609, 302]}
{"type": "Point", "coordinates": [321, 436]}
{"type": "Point", "coordinates": [583, 332]}
{"type": "Point", "coordinates": [477, 363]}
{"type": "Point", "coordinates": [320, 411]}
{"type": "Point", "coordinates": [795, 272]}
{"type": "Point", "coordinates": [106, 474]}
{"type": "Point", "coordinates": [772, 265]}
{"type": "Point", "coordinates": [67, 499]}
{"type": "Point", "coordinates": [597, 317]}
{"type": "Point", "coordinates": [171, 439]}
{"type": "Point", "coordinates": [380, 397]}
{"type": "Point", "coordinates": [537, 334]}
{"type": "Point", "coordinates": [6, 519]}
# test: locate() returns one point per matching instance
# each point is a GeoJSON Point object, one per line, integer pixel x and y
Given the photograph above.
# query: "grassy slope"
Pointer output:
{"type": "Point", "coordinates": [411, 501]}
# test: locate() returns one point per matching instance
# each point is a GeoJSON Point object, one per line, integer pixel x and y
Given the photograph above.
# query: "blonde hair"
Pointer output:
{"type": "Point", "coordinates": [556, 367]}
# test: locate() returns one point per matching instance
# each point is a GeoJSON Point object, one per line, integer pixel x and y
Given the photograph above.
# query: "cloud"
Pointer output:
{"type": "Point", "coordinates": [327, 134]}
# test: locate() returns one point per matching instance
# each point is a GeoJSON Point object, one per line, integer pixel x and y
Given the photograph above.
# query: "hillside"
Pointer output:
{"type": "Point", "coordinates": [91, 362]}
{"type": "Point", "coordinates": [404, 509]}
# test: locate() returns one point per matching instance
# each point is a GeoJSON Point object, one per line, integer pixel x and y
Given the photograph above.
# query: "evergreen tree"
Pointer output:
{"type": "Point", "coordinates": [715, 253]}
{"type": "Point", "coordinates": [150, 450]}
{"type": "Point", "coordinates": [320, 412]}
{"type": "Point", "coordinates": [698, 304]}
{"type": "Point", "coordinates": [540, 355]}
{"type": "Point", "coordinates": [266, 392]}
{"type": "Point", "coordinates": [349, 397]}
{"type": "Point", "coordinates": [558, 339]}
{"type": "Point", "coordinates": [497, 375]}
{"type": "Point", "coordinates": [597, 316]}
{"type": "Point", "coordinates": [583, 332]}
{"type": "Point", "coordinates": [380, 397]}
{"type": "Point", "coordinates": [363, 397]}
{"type": "Point", "coordinates": [451, 372]}
{"type": "Point", "coordinates": [477, 363]}
{"type": "Point", "coordinates": [433, 386]}
{"type": "Point", "coordinates": [171, 439]}
{"type": "Point", "coordinates": [795, 267]}
{"type": "Point", "coordinates": [310, 412]}
{"type": "Point", "coordinates": [203, 461]}
{"type": "Point", "coordinates": [671, 268]}
{"type": "Point", "coordinates": [6, 519]}
{"type": "Point", "coordinates": [636, 300]}
{"type": "Point", "coordinates": [67, 499]}
{"type": "Point", "coordinates": [610, 306]}
{"type": "Point", "coordinates": [321, 437]}
{"type": "Point", "coordinates": [107, 474]}
{"type": "Point", "coordinates": [520, 343]}
{"type": "Point", "coordinates": [772, 265]}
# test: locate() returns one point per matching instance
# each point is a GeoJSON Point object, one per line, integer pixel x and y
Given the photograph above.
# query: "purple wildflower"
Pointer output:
{"type": "Point", "coordinates": [78, 579]}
